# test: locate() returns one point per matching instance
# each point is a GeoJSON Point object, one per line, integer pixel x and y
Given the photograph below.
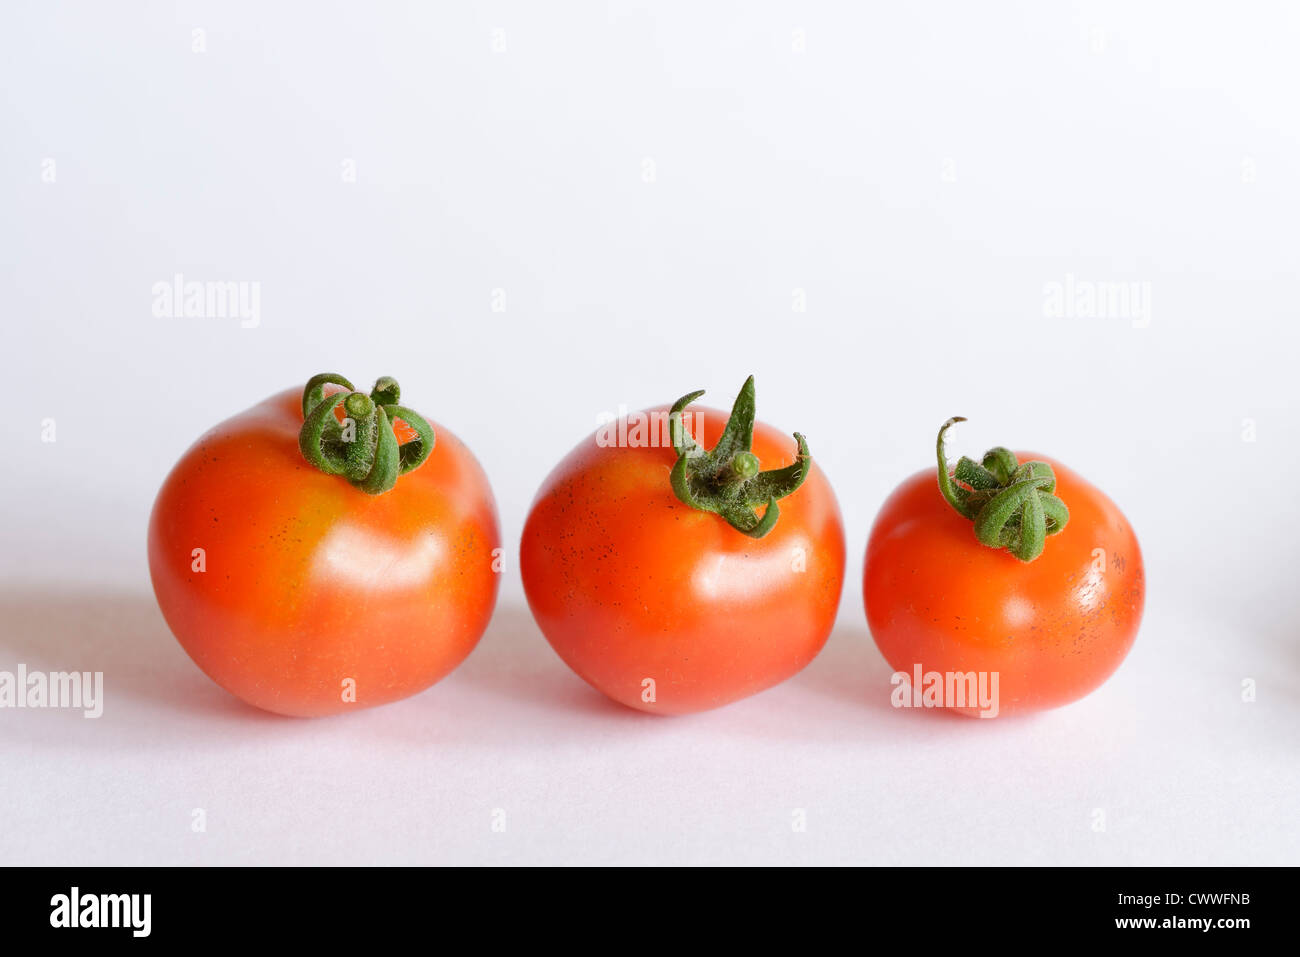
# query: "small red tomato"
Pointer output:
{"type": "Point", "coordinates": [321, 552]}
{"type": "Point", "coordinates": [1045, 590]}
{"type": "Point", "coordinates": [654, 575]}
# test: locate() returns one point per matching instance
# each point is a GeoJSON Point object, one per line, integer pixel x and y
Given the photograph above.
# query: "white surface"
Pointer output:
{"type": "Point", "coordinates": [920, 174]}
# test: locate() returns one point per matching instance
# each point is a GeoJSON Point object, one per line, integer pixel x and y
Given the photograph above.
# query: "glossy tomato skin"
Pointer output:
{"type": "Point", "coordinates": [310, 582]}
{"type": "Point", "coordinates": [1053, 629]}
{"type": "Point", "coordinates": [629, 584]}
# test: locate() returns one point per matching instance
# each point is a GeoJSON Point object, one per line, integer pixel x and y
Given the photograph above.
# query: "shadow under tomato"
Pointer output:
{"type": "Point", "coordinates": [124, 635]}
{"type": "Point", "coordinates": [513, 660]}
{"type": "Point", "coordinates": [852, 676]}
{"type": "Point", "coordinates": [849, 670]}
{"type": "Point", "coordinates": [121, 634]}
{"type": "Point", "coordinates": [1272, 623]}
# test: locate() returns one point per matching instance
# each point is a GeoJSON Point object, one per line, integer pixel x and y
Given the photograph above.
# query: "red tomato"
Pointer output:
{"type": "Point", "coordinates": [315, 597]}
{"type": "Point", "coordinates": [668, 608]}
{"type": "Point", "coordinates": [1053, 629]}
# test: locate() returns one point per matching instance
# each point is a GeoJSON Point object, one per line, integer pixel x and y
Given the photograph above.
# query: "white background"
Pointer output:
{"type": "Point", "coordinates": [920, 174]}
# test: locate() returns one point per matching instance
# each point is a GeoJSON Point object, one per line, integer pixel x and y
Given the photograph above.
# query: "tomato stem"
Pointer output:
{"type": "Point", "coordinates": [726, 480]}
{"type": "Point", "coordinates": [1011, 503]}
{"type": "Point", "coordinates": [362, 447]}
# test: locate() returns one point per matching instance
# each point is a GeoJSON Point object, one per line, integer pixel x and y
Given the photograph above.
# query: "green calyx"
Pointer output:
{"type": "Point", "coordinates": [726, 480]}
{"type": "Point", "coordinates": [1011, 503]}
{"type": "Point", "coordinates": [362, 448]}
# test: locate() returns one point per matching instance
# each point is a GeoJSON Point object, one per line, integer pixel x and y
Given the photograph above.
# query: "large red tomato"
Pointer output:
{"type": "Point", "coordinates": [668, 577]}
{"type": "Point", "coordinates": [348, 573]}
{"type": "Point", "coordinates": [1048, 597]}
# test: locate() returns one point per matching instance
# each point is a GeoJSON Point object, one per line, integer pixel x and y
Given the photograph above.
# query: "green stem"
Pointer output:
{"type": "Point", "coordinates": [727, 480]}
{"type": "Point", "coordinates": [1011, 503]}
{"type": "Point", "coordinates": [363, 447]}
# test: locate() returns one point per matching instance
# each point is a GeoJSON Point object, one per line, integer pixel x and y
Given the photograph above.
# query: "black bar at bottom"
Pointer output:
{"type": "Point", "coordinates": [959, 906]}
